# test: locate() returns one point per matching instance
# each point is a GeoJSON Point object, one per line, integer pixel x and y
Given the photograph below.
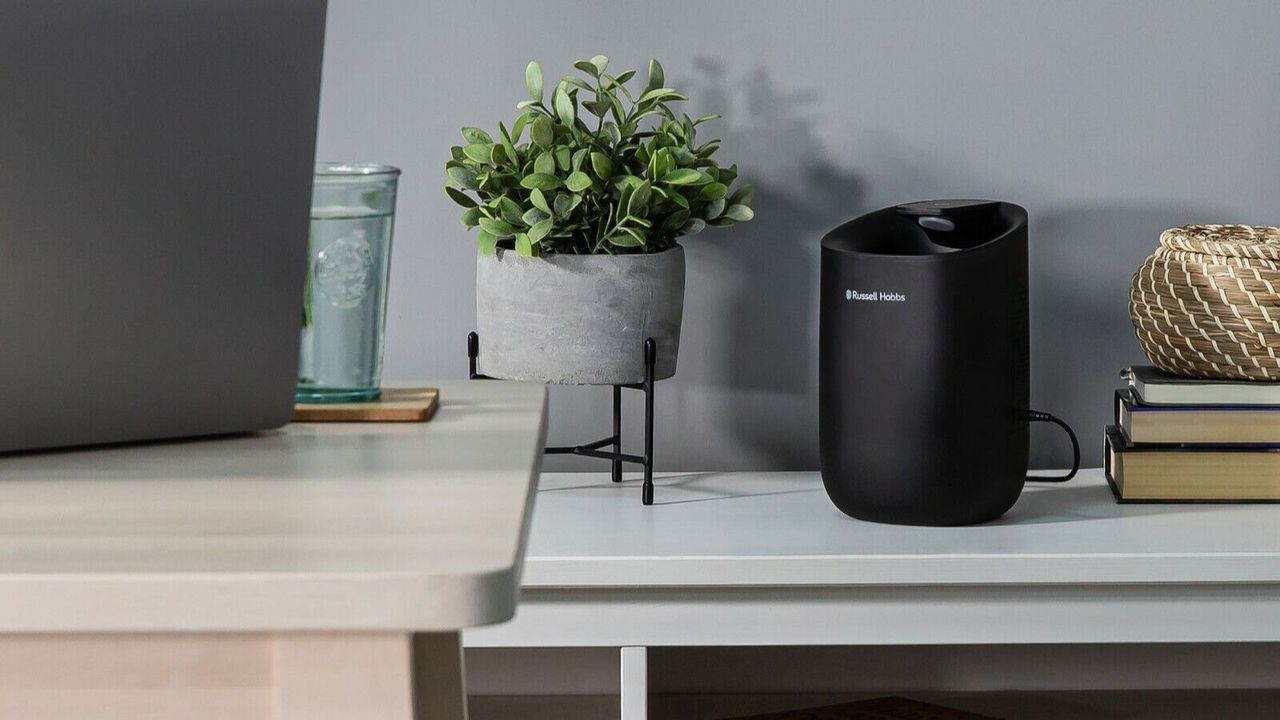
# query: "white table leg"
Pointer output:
{"type": "Point", "coordinates": [635, 683]}
{"type": "Point", "coordinates": [439, 688]}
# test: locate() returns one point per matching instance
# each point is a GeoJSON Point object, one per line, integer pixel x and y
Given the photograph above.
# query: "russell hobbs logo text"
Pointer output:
{"type": "Point", "coordinates": [874, 296]}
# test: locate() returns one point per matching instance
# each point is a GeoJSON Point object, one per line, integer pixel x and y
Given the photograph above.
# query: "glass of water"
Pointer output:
{"type": "Point", "coordinates": [345, 298]}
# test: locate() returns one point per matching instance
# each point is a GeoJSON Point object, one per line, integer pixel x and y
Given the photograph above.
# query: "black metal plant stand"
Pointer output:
{"type": "Point", "coordinates": [593, 449]}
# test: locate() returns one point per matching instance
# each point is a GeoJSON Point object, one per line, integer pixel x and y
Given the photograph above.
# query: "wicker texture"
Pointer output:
{"type": "Point", "coordinates": [1207, 303]}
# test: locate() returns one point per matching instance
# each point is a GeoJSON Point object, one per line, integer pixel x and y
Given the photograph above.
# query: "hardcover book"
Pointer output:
{"type": "Point", "coordinates": [1156, 387]}
{"type": "Point", "coordinates": [1142, 423]}
{"type": "Point", "coordinates": [1190, 473]}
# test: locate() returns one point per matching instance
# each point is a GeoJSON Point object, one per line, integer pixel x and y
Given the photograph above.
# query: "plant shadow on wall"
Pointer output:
{"type": "Point", "coordinates": [753, 306]}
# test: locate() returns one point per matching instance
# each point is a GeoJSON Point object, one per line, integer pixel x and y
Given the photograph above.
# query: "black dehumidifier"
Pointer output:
{"type": "Point", "coordinates": [924, 380]}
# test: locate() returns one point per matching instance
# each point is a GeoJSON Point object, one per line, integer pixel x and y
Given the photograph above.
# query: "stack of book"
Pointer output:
{"type": "Point", "coordinates": [1182, 440]}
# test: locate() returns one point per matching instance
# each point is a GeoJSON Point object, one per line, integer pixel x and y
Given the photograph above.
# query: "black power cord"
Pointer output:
{"type": "Point", "coordinates": [1037, 416]}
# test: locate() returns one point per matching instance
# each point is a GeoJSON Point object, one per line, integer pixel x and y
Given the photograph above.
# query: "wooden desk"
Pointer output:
{"type": "Point", "coordinates": [319, 571]}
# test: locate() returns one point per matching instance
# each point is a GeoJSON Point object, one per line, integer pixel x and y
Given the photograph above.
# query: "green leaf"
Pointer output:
{"type": "Point", "coordinates": [615, 135]}
{"type": "Point", "coordinates": [586, 67]}
{"type": "Point", "coordinates": [682, 176]}
{"type": "Point", "coordinates": [486, 243]}
{"type": "Point", "coordinates": [676, 220]}
{"type": "Point", "coordinates": [713, 191]}
{"type": "Point", "coordinates": [533, 81]}
{"type": "Point", "coordinates": [714, 208]}
{"type": "Point", "coordinates": [508, 146]}
{"type": "Point", "coordinates": [545, 163]}
{"type": "Point", "coordinates": [543, 134]}
{"type": "Point", "coordinates": [600, 62]}
{"type": "Point", "coordinates": [563, 158]}
{"type": "Point", "coordinates": [744, 195]}
{"type": "Point", "coordinates": [619, 112]}
{"type": "Point", "coordinates": [706, 118]}
{"type": "Point", "coordinates": [622, 77]}
{"type": "Point", "coordinates": [578, 181]}
{"type": "Point", "coordinates": [464, 177]}
{"type": "Point", "coordinates": [496, 227]}
{"type": "Point", "coordinates": [578, 156]}
{"type": "Point", "coordinates": [524, 248]}
{"type": "Point", "coordinates": [564, 106]}
{"type": "Point", "coordinates": [459, 197]}
{"type": "Point", "coordinates": [474, 135]}
{"type": "Point", "coordinates": [478, 152]}
{"type": "Point", "coordinates": [741, 213]}
{"type": "Point", "coordinates": [533, 216]}
{"type": "Point", "coordinates": [510, 211]}
{"type": "Point", "coordinates": [664, 94]}
{"type": "Point", "coordinates": [517, 128]}
{"type": "Point", "coordinates": [662, 162]}
{"type": "Point", "coordinates": [624, 198]}
{"type": "Point", "coordinates": [638, 203]}
{"type": "Point", "coordinates": [455, 152]}
{"type": "Point", "coordinates": [628, 237]}
{"type": "Point", "coordinates": [539, 201]}
{"type": "Point", "coordinates": [656, 76]}
{"type": "Point", "coordinates": [540, 230]}
{"type": "Point", "coordinates": [597, 107]}
{"type": "Point", "coordinates": [684, 158]}
{"type": "Point", "coordinates": [565, 203]}
{"type": "Point", "coordinates": [630, 180]}
{"type": "Point", "coordinates": [540, 181]}
{"type": "Point", "coordinates": [693, 227]}
{"type": "Point", "coordinates": [471, 216]}
{"type": "Point", "coordinates": [708, 148]}
{"type": "Point", "coordinates": [577, 82]}
{"type": "Point", "coordinates": [602, 165]}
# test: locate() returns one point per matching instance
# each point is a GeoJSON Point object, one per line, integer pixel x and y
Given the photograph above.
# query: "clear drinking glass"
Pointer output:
{"type": "Point", "coordinates": [345, 299]}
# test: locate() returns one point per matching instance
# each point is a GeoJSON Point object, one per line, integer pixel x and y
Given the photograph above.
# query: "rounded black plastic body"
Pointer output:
{"type": "Point", "coordinates": [923, 363]}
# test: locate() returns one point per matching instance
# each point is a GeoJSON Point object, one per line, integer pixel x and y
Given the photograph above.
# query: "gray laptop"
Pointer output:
{"type": "Point", "coordinates": [155, 183]}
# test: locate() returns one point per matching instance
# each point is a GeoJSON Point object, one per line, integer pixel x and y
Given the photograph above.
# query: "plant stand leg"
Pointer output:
{"type": "Point", "coordinates": [650, 359]}
{"type": "Point", "coordinates": [617, 432]}
{"type": "Point", "coordinates": [473, 352]}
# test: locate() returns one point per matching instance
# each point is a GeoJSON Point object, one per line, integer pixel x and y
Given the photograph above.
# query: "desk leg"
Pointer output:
{"type": "Point", "coordinates": [342, 676]}
{"type": "Point", "coordinates": [635, 683]}
{"type": "Point", "coordinates": [209, 676]}
{"type": "Point", "coordinates": [439, 687]}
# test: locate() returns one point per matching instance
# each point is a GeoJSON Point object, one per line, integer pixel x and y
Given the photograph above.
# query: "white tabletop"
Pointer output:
{"type": "Point", "coordinates": [414, 526]}
{"type": "Point", "coordinates": [771, 529]}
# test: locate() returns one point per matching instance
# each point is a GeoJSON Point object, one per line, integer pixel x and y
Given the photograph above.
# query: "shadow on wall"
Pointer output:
{"type": "Point", "coordinates": [1082, 259]}
{"type": "Point", "coordinates": [754, 289]}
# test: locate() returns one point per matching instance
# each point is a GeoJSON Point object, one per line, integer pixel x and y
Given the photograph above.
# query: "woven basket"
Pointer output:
{"type": "Point", "coordinates": [1207, 303]}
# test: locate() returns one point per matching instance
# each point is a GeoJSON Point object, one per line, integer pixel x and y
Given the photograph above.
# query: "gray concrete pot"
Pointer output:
{"type": "Point", "coordinates": [578, 319]}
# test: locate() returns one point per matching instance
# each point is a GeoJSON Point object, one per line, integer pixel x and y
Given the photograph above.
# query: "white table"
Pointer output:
{"type": "Point", "coordinates": [729, 559]}
{"type": "Point", "coordinates": [319, 571]}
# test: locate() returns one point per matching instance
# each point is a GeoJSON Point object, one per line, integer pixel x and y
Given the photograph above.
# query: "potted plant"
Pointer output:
{"type": "Point", "coordinates": [579, 207]}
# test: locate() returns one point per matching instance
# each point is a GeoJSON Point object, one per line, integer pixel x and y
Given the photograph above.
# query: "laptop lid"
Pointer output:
{"type": "Point", "coordinates": [155, 181]}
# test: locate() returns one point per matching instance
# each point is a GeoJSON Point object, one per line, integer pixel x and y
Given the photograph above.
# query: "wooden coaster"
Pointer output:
{"type": "Point", "coordinates": [395, 405]}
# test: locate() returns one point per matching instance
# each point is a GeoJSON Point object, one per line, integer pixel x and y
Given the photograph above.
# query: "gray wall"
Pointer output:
{"type": "Point", "coordinates": [1108, 121]}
